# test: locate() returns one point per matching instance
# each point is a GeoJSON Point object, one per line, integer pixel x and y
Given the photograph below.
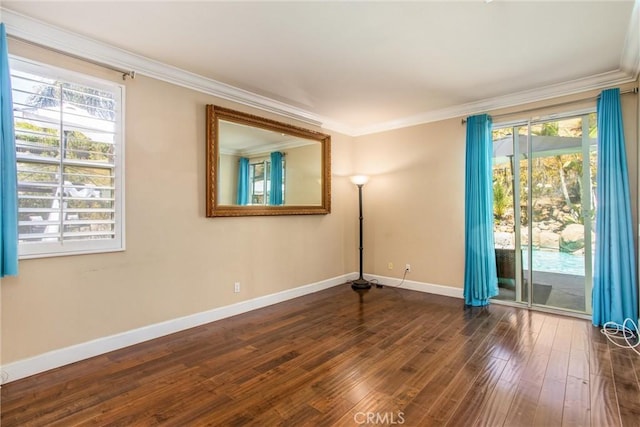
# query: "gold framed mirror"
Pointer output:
{"type": "Point", "coordinates": [258, 166]}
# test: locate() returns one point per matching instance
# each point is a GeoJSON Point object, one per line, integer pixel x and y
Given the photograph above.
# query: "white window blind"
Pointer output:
{"type": "Point", "coordinates": [69, 158]}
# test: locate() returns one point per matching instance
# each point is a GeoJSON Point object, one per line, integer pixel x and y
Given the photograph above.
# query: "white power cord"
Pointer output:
{"type": "Point", "coordinates": [616, 332]}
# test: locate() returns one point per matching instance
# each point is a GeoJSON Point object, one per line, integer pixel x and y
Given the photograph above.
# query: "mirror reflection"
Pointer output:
{"type": "Point", "coordinates": [262, 167]}
{"type": "Point", "coordinates": [257, 166]}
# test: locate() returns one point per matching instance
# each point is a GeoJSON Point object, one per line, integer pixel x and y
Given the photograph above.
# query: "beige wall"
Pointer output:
{"type": "Point", "coordinates": [177, 262]}
{"type": "Point", "coordinates": [304, 172]}
{"type": "Point", "coordinates": [228, 182]}
{"type": "Point", "coordinates": [414, 201]}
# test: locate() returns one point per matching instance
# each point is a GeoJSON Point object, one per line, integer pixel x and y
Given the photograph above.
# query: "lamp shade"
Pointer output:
{"type": "Point", "coordinates": [359, 179]}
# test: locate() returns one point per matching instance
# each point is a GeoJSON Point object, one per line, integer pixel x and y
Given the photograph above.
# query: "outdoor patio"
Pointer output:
{"type": "Point", "coordinates": [564, 291]}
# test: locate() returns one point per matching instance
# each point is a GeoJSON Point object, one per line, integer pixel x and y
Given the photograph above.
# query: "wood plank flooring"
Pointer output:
{"type": "Point", "coordinates": [396, 357]}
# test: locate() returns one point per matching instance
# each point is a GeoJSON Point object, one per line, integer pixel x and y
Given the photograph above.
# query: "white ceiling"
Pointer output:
{"type": "Point", "coordinates": [364, 66]}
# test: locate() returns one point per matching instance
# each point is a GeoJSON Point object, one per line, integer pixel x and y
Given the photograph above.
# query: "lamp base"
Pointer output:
{"type": "Point", "coordinates": [360, 284]}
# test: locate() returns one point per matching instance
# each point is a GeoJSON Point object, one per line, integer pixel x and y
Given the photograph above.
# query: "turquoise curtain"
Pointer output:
{"type": "Point", "coordinates": [275, 193]}
{"type": "Point", "coordinates": [615, 295]}
{"type": "Point", "coordinates": [480, 277]}
{"type": "Point", "coordinates": [8, 174]}
{"type": "Point", "coordinates": [242, 197]}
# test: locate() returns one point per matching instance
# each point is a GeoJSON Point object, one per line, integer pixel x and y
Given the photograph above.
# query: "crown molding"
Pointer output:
{"type": "Point", "coordinates": [630, 59]}
{"type": "Point", "coordinates": [596, 82]}
{"type": "Point", "coordinates": [40, 33]}
{"type": "Point", "coordinates": [268, 148]}
{"type": "Point", "coordinates": [49, 36]}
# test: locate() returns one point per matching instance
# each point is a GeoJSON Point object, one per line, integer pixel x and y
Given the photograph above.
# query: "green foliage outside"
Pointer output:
{"type": "Point", "coordinates": [502, 199]}
{"type": "Point", "coordinates": [556, 178]}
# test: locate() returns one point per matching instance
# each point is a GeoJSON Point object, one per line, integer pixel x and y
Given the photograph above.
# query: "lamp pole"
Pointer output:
{"type": "Point", "coordinates": [360, 283]}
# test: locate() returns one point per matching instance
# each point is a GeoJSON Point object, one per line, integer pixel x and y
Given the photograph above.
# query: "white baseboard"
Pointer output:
{"type": "Point", "coordinates": [64, 356]}
{"type": "Point", "coordinates": [430, 288]}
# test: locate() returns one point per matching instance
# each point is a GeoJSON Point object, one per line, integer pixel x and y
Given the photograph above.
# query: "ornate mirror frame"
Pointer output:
{"type": "Point", "coordinates": [214, 115]}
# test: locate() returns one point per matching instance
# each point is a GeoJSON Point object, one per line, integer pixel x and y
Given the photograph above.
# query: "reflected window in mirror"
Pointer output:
{"type": "Point", "coordinates": [261, 181]}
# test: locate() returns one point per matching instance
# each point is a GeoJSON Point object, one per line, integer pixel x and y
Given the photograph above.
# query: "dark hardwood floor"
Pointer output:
{"type": "Point", "coordinates": [398, 358]}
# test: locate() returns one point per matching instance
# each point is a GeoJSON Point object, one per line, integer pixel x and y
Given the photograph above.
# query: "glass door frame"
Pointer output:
{"type": "Point", "coordinates": [586, 208]}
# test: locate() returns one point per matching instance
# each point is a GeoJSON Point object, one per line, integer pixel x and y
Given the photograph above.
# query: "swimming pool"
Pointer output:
{"type": "Point", "coordinates": [555, 262]}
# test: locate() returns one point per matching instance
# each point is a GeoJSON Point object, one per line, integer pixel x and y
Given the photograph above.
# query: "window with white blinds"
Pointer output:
{"type": "Point", "coordinates": [69, 151]}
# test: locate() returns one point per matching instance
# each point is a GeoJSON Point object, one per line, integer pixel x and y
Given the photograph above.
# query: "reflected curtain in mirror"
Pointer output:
{"type": "Point", "coordinates": [243, 181]}
{"type": "Point", "coordinates": [275, 195]}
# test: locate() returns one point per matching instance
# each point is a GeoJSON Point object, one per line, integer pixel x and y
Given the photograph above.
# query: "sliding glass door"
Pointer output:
{"type": "Point", "coordinates": [544, 205]}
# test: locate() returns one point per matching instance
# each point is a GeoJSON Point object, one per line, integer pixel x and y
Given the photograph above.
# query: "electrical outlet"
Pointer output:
{"type": "Point", "coordinates": [390, 266]}
{"type": "Point", "coordinates": [407, 268]}
{"type": "Point", "coordinates": [236, 287]}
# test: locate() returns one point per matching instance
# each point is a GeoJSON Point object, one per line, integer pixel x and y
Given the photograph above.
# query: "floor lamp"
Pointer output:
{"type": "Point", "coordinates": [360, 283]}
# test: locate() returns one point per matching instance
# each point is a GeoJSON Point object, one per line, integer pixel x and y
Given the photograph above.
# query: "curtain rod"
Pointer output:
{"type": "Point", "coordinates": [125, 74]}
{"type": "Point", "coordinates": [560, 104]}
{"type": "Point", "coordinates": [281, 152]}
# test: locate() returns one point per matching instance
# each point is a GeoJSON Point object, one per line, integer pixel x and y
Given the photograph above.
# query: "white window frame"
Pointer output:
{"type": "Point", "coordinates": [117, 243]}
